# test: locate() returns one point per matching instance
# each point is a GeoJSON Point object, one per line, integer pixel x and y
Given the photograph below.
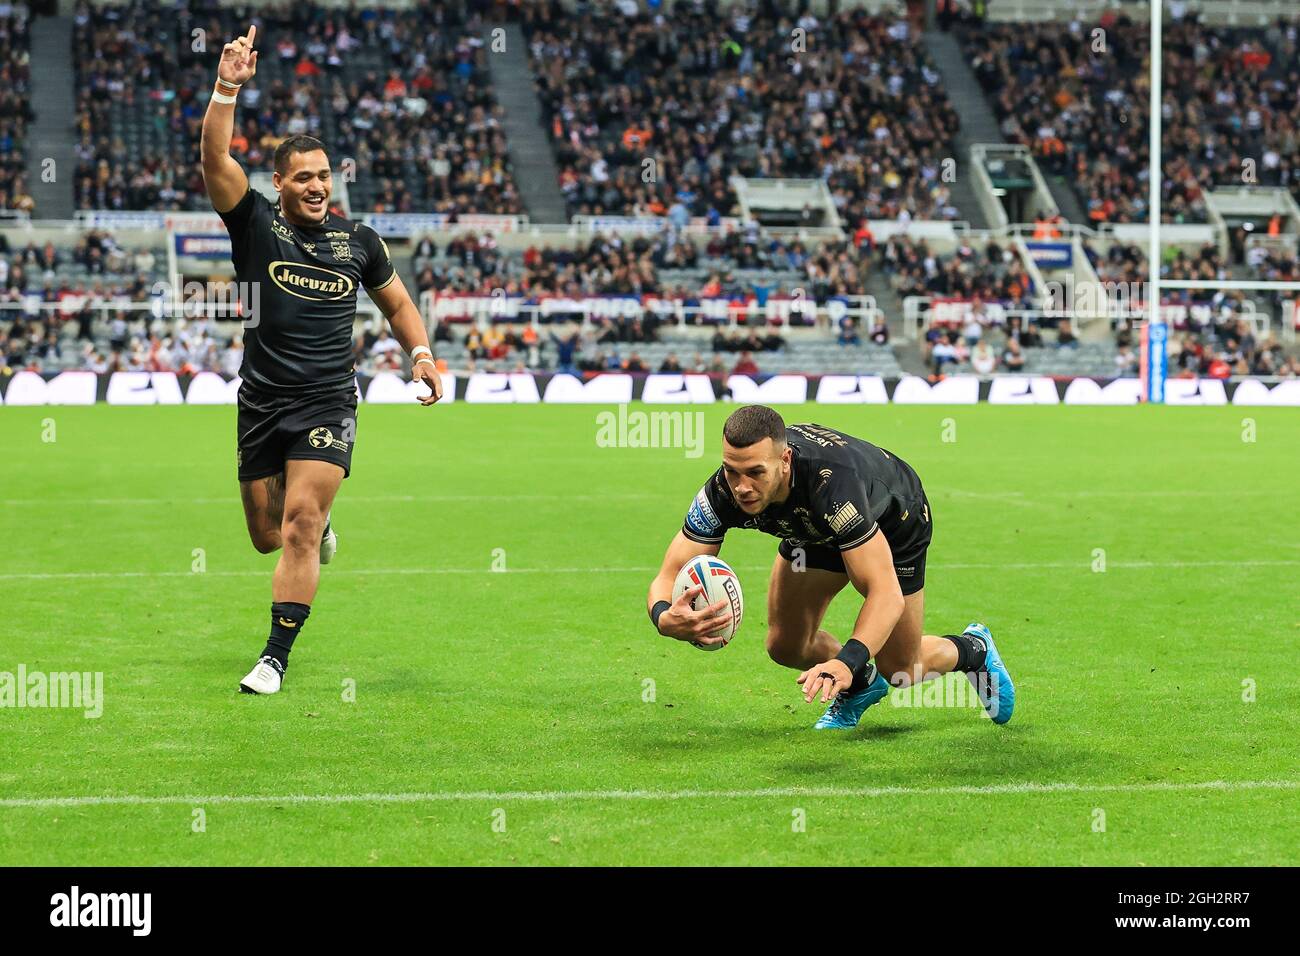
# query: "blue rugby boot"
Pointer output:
{"type": "Point", "coordinates": [846, 709]}
{"type": "Point", "coordinates": [992, 682]}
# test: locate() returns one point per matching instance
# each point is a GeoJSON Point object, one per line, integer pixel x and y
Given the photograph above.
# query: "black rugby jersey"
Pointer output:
{"type": "Point", "coordinates": [842, 490]}
{"type": "Point", "coordinates": [301, 302]}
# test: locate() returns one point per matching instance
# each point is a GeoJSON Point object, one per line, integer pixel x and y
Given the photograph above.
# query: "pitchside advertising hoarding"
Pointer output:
{"type": "Point", "coordinates": [388, 388]}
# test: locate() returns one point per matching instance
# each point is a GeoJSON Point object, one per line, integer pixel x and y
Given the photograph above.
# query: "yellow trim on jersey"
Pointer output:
{"type": "Point", "coordinates": [385, 283]}
{"type": "Point", "coordinates": [862, 540]}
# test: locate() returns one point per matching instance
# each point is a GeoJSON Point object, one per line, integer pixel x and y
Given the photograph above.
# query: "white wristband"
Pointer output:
{"type": "Point", "coordinates": [420, 350]}
{"type": "Point", "coordinates": [223, 98]}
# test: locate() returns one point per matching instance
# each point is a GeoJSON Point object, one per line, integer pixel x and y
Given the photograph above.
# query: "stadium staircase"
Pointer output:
{"type": "Point", "coordinates": [887, 300]}
{"type": "Point", "coordinates": [525, 127]}
{"type": "Point", "coordinates": [980, 125]}
{"type": "Point", "coordinates": [52, 135]}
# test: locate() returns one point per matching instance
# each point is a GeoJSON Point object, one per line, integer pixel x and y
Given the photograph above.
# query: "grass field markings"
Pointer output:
{"type": "Point", "coordinates": [556, 796]}
{"type": "Point", "coordinates": [755, 568]}
{"type": "Point", "coordinates": [234, 499]}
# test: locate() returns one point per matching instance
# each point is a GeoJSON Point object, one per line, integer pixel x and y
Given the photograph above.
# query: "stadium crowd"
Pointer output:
{"type": "Point", "coordinates": [15, 108]}
{"type": "Point", "coordinates": [652, 111]}
{"type": "Point", "coordinates": [993, 273]}
{"type": "Point", "coordinates": [1077, 95]}
{"type": "Point", "coordinates": [404, 94]}
{"type": "Point", "coordinates": [739, 266]}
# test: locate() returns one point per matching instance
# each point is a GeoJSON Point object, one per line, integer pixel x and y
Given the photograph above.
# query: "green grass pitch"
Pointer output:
{"type": "Point", "coordinates": [506, 717]}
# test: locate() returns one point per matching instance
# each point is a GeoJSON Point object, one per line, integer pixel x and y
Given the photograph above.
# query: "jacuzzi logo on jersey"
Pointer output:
{"type": "Point", "coordinates": [310, 282]}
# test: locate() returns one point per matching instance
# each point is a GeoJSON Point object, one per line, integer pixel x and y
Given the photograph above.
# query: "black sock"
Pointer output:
{"type": "Point", "coordinates": [287, 620]}
{"type": "Point", "coordinates": [864, 678]}
{"type": "Point", "coordinates": [971, 652]}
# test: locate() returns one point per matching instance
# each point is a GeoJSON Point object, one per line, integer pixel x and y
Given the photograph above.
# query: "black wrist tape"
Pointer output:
{"type": "Point", "coordinates": [854, 654]}
{"type": "Point", "coordinates": [659, 608]}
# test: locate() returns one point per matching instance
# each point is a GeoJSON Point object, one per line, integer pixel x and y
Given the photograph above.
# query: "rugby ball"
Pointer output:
{"type": "Point", "coordinates": [720, 584]}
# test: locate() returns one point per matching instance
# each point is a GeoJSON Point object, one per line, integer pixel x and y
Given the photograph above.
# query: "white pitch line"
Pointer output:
{"type": "Point", "coordinates": [345, 572]}
{"type": "Point", "coordinates": [234, 500]}
{"type": "Point", "coordinates": [332, 572]}
{"type": "Point", "coordinates": [557, 796]}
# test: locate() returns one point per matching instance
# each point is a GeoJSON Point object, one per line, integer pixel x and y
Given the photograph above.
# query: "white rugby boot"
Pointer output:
{"type": "Point", "coordinates": [265, 677]}
{"type": "Point", "coordinates": [329, 543]}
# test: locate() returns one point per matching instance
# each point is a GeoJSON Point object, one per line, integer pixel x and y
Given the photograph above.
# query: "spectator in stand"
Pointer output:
{"type": "Point", "coordinates": [670, 365]}
{"type": "Point", "coordinates": [982, 360]}
{"type": "Point", "coordinates": [1013, 359]}
{"type": "Point", "coordinates": [974, 328]}
{"type": "Point", "coordinates": [474, 344]}
{"type": "Point", "coordinates": [1016, 329]}
{"type": "Point", "coordinates": [1264, 364]}
{"type": "Point", "coordinates": [880, 331]}
{"type": "Point", "coordinates": [635, 365]}
{"type": "Point", "coordinates": [943, 353]}
{"type": "Point", "coordinates": [1125, 361]}
{"type": "Point", "coordinates": [385, 344]}
{"type": "Point", "coordinates": [746, 365]}
{"type": "Point", "coordinates": [1191, 354]}
{"type": "Point", "coordinates": [566, 348]}
{"type": "Point", "coordinates": [849, 331]}
{"type": "Point", "coordinates": [1065, 337]}
{"type": "Point", "coordinates": [1218, 368]}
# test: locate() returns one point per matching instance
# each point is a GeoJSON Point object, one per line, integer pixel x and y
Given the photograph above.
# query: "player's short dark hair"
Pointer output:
{"type": "Point", "coordinates": [298, 143]}
{"type": "Point", "coordinates": [753, 423]}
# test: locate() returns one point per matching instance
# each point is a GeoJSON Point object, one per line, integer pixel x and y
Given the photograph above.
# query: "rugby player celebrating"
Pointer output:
{"type": "Point", "coordinates": [846, 511]}
{"type": "Point", "coordinates": [297, 399]}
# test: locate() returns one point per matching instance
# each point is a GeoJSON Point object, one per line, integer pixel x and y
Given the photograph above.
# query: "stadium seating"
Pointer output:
{"type": "Point", "coordinates": [708, 95]}
{"type": "Point", "coordinates": [708, 92]}
{"type": "Point", "coordinates": [402, 94]}
{"type": "Point", "coordinates": [692, 352]}
{"type": "Point", "coordinates": [991, 271]}
{"type": "Point", "coordinates": [15, 108]}
{"type": "Point", "coordinates": [62, 290]}
{"type": "Point", "coordinates": [667, 264]}
{"type": "Point", "coordinates": [1231, 97]}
